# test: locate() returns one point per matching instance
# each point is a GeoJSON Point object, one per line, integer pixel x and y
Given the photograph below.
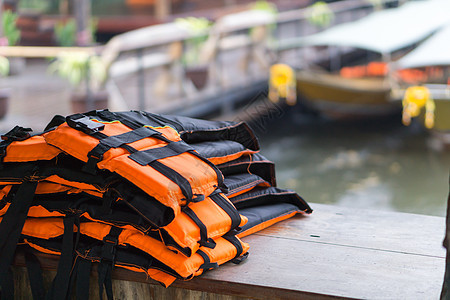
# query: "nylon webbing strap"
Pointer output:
{"type": "Point", "coordinates": [83, 278]}
{"type": "Point", "coordinates": [7, 291]}
{"type": "Point", "coordinates": [235, 242]}
{"type": "Point", "coordinates": [11, 227]}
{"type": "Point", "coordinates": [176, 177]}
{"type": "Point", "coordinates": [109, 116]}
{"type": "Point", "coordinates": [228, 208]}
{"type": "Point", "coordinates": [60, 284]}
{"type": "Point", "coordinates": [148, 156]}
{"type": "Point", "coordinates": [35, 276]}
{"type": "Point", "coordinates": [204, 240]}
{"type": "Point", "coordinates": [96, 154]}
{"type": "Point", "coordinates": [207, 265]}
{"type": "Point", "coordinates": [108, 256]}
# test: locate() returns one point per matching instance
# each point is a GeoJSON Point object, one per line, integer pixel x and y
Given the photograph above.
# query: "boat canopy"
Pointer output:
{"type": "Point", "coordinates": [435, 51]}
{"type": "Point", "coordinates": [385, 31]}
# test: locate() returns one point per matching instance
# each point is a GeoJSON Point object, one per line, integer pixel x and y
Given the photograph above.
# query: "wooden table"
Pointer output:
{"type": "Point", "coordinates": [335, 252]}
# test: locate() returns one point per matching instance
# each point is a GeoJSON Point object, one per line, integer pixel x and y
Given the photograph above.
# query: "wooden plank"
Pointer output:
{"type": "Point", "coordinates": [372, 229]}
{"type": "Point", "coordinates": [335, 252]}
{"type": "Point", "coordinates": [334, 270]}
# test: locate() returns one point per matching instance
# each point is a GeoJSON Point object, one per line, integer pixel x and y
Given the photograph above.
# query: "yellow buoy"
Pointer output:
{"type": "Point", "coordinates": [282, 84]}
{"type": "Point", "coordinates": [416, 98]}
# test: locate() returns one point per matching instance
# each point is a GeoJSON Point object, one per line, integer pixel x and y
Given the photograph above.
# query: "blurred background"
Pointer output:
{"type": "Point", "coordinates": [350, 99]}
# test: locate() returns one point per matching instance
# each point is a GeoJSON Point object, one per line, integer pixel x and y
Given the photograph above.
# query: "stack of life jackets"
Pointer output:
{"type": "Point", "coordinates": [163, 195]}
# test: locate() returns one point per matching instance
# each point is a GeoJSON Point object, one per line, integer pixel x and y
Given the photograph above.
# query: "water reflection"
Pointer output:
{"type": "Point", "coordinates": [378, 164]}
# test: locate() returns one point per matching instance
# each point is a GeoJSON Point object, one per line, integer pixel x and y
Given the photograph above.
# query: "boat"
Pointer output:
{"type": "Point", "coordinates": [430, 62]}
{"type": "Point", "coordinates": [362, 85]}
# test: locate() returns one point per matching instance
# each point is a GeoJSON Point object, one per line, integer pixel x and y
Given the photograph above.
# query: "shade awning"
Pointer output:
{"type": "Point", "coordinates": [388, 30]}
{"type": "Point", "coordinates": [435, 51]}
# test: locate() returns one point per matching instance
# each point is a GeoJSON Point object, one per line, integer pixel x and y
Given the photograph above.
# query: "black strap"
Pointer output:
{"type": "Point", "coordinates": [207, 265]}
{"type": "Point", "coordinates": [108, 199]}
{"type": "Point", "coordinates": [229, 208]}
{"type": "Point", "coordinates": [83, 278]}
{"type": "Point", "coordinates": [235, 242]}
{"type": "Point", "coordinates": [204, 240]}
{"type": "Point", "coordinates": [146, 157]}
{"type": "Point", "coordinates": [96, 154]}
{"type": "Point", "coordinates": [11, 227]}
{"type": "Point", "coordinates": [7, 291]}
{"type": "Point", "coordinates": [176, 177]}
{"type": "Point", "coordinates": [35, 276]}
{"type": "Point", "coordinates": [60, 284]}
{"type": "Point", "coordinates": [110, 116]}
{"type": "Point", "coordinates": [107, 259]}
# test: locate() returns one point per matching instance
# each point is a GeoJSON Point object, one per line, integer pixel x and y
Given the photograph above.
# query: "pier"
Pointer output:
{"type": "Point", "coordinates": [335, 253]}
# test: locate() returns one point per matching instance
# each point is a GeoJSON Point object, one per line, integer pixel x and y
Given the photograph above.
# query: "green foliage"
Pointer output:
{"type": "Point", "coordinates": [4, 66]}
{"type": "Point", "coordinates": [66, 33]}
{"type": "Point", "coordinates": [10, 30]}
{"type": "Point", "coordinates": [320, 14]}
{"type": "Point", "coordinates": [80, 68]}
{"type": "Point", "coordinates": [265, 6]}
{"type": "Point", "coordinates": [198, 27]}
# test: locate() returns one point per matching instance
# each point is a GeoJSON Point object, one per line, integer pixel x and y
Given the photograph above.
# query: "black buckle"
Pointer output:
{"type": "Point", "coordinates": [238, 260]}
{"type": "Point", "coordinates": [84, 124]}
{"type": "Point", "coordinates": [109, 248]}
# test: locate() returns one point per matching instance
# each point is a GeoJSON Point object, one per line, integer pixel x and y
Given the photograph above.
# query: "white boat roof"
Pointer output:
{"type": "Point", "coordinates": [435, 51]}
{"type": "Point", "coordinates": [387, 30]}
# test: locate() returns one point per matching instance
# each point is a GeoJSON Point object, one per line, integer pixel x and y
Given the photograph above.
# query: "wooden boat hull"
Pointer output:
{"type": "Point", "coordinates": [442, 115]}
{"type": "Point", "coordinates": [441, 128]}
{"type": "Point", "coordinates": [338, 97]}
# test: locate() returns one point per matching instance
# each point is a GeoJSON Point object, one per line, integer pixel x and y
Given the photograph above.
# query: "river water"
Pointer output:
{"type": "Point", "coordinates": [378, 164]}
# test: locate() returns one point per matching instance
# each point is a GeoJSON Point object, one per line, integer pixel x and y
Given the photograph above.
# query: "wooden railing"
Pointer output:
{"type": "Point", "coordinates": [162, 47]}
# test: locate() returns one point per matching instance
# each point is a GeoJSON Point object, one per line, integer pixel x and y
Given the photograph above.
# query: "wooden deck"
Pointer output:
{"type": "Point", "coordinates": [335, 252]}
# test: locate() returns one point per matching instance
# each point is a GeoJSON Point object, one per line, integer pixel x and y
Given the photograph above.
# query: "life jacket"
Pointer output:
{"type": "Point", "coordinates": [262, 216]}
{"type": "Point", "coordinates": [240, 183]}
{"type": "Point", "coordinates": [269, 195]}
{"type": "Point", "coordinates": [250, 163]}
{"type": "Point", "coordinates": [198, 224]}
{"type": "Point", "coordinates": [154, 159]}
{"type": "Point", "coordinates": [150, 186]}
{"type": "Point", "coordinates": [151, 215]}
{"type": "Point", "coordinates": [219, 141]}
{"type": "Point", "coordinates": [262, 204]}
{"type": "Point", "coordinates": [191, 130]}
{"type": "Point", "coordinates": [126, 248]}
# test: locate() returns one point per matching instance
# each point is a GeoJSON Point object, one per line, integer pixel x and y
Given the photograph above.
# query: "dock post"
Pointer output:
{"type": "Point", "coordinates": [445, 293]}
